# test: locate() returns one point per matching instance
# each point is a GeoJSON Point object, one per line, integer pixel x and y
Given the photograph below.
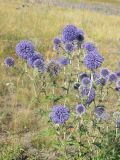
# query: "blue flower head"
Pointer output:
{"type": "Point", "coordinates": [86, 81]}
{"type": "Point", "coordinates": [76, 85]}
{"type": "Point", "coordinates": [40, 65]}
{"type": "Point", "coordinates": [57, 41]}
{"type": "Point", "coordinates": [90, 93]}
{"type": "Point", "coordinates": [113, 77]}
{"type": "Point", "coordinates": [101, 81]}
{"type": "Point", "coordinates": [83, 75]}
{"type": "Point", "coordinates": [69, 33]}
{"type": "Point", "coordinates": [80, 109]}
{"type": "Point", "coordinates": [91, 96]}
{"type": "Point", "coordinates": [89, 46]}
{"type": "Point", "coordinates": [25, 49]}
{"type": "Point", "coordinates": [80, 35]}
{"type": "Point", "coordinates": [99, 110]}
{"type": "Point", "coordinates": [69, 47]}
{"type": "Point", "coordinates": [93, 61]}
{"type": "Point", "coordinates": [9, 61]}
{"type": "Point", "coordinates": [59, 114]}
{"type": "Point", "coordinates": [105, 72]}
{"type": "Point", "coordinates": [64, 61]}
{"type": "Point", "coordinates": [33, 58]}
{"type": "Point", "coordinates": [118, 73]}
{"type": "Point", "coordinates": [53, 68]}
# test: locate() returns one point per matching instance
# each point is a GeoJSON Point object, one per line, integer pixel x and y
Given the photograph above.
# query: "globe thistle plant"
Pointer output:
{"type": "Point", "coordinates": [113, 77]}
{"type": "Point", "coordinates": [59, 114]}
{"type": "Point", "coordinates": [69, 33]}
{"type": "Point", "coordinates": [53, 68]}
{"type": "Point", "coordinates": [64, 61]}
{"type": "Point", "coordinates": [33, 58]}
{"type": "Point", "coordinates": [25, 49]}
{"type": "Point", "coordinates": [80, 109]}
{"type": "Point", "coordinates": [40, 65]}
{"type": "Point", "coordinates": [69, 47]}
{"type": "Point", "coordinates": [89, 46]}
{"type": "Point", "coordinates": [105, 72]}
{"type": "Point", "coordinates": [86, 81]}
{"type": "Point", "coordinates": [93, 61]}
{"type": "Point", "coordinates": [9, 61]}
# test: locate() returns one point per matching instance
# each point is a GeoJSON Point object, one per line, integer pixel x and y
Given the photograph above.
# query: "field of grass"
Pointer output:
{"type": "Point", "coordinates": [21, 122]}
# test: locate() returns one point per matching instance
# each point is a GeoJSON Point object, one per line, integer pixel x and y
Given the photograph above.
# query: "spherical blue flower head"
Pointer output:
{"type": "Point", "coordinates": [40, 65]}
{"type": "Point", "coordinates": [69, 47]}
{"type": "Point", "coordinates": [57, 41]}
{"type": "Point", "coordinates": [33, 58]}
{"type": "Point", "coordinates": [25, 49]}
{"type": "Point", "coordinates": [117, 88]}
{"type": "Point", "coordinates": [53, 68]}
{"type": "Point", "coordinates": [113, 77]}
{"type": "Point", "coordinates": [118, 73]}
{"type": "Point", "coordinates": [59, 114]}
{"type": "Point", "coordinates": [86, 81]}
{"type": "Point", "coordinates": [102, 81]}
{"type": "Point", "coordinates": [80, 35]}
{"type": "Point", "coordinates": [93, 61]}
{"type": "Point", "coordinates": [91, 96]}
{"type": "Point", "coordinates": [83, 75]}
{"type": "Point", "coordinates": [80, 109]}
{"type": "Point", "coordinates": [69, 33]}
{"type": "Point", "coordinates": [9, 62]}
{"type": "Point", "coordinates": [64, 61]}
{"type": "Point", "coordinates": [99, 110]}
{"type": "Point", "coordinates": [105, 72]}
{"type": "Point", "coordinates": [90, 93]}
{"type": "Point", "coordinates": [89, 46]}
{"type": "Point", "coordinates": [76, 86]}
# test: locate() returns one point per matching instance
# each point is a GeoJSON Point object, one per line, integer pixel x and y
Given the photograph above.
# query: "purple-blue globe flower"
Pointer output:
{"type": "Point", "coordinates": [40, 65]}
{"type": "Point", "coordinates": [102, 81]}
{"type": "Point", "coordinates": [93, 61]}
{"type": "Point", "coordinates": [113, 77]}
{"type": "Point", "coordinates": [80, 109]}
{"type": "Point", "coordinates": [89, 46]}
{"type": "Point", "coordinates": [91, 96]}
{"type": "Point", "coordinates": [69, 33]}
{"type": "Point", "coordinates": [90, 93]}
{"type": "Point", "coordinates": [80, 35]}
{"type": "Point", "coordinates": [53, 68]}
{"type": "Point", "coordinates": [76, 85]}
{"type": "Point", "coordinates": [64, 61]}
{"type": "Point", "coordinates": [25, 49]}
{"type": "Point", "coordinates": [86, 81]}
{"type": "Point", "coordinates": [34, 57]}
{"type": "Point", "coordinates": [9, 61]}
{"type": "Point", "coordinates": [99, 110]}
{"type": "Point", "coordinates": [69, 47]}
{"type": "Point", "coordinates": [117, 88]}
{"type": "Point", "coordinates": [118, 73]}
{"type": "Point", "coordinates": [57, 41]}
{"type": "Point", "coordinates": [105, 72]}
{"type": "Point", "coordinates": [59, 114]}
{"type": "Point", "coordinates": [83, 75]}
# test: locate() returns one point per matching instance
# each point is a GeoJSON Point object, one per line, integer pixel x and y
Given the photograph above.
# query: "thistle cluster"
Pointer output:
{"type": "Point", "coordinates": [81, 90]}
